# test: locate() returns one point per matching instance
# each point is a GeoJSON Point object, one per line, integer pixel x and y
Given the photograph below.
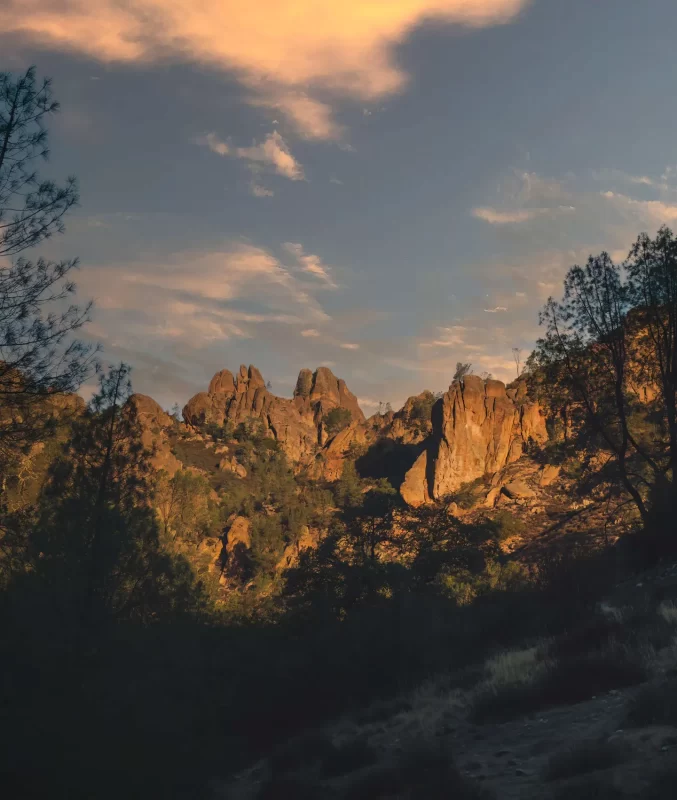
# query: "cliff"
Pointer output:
{"type": "Point", "coordinates": [478, 428]}
{"type": "Point", "coordinates": [296, 423]}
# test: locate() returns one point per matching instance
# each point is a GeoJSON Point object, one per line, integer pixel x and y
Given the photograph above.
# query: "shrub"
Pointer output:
{"type": "Point", "coordinates": [655, 704]}
{"type": "Point", "coordinates": [668, 612]}
{"type": "Point", "coordinates": [582, 758]}
{"type": "Point", "coordinates": [507, 525]}
{"type": "Point", "coordinates": [336, 420]}
{"type": "Point", "coordinates": [566, 682]}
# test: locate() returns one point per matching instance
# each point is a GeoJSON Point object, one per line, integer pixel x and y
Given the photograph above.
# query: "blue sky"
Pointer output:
{"type": "Point", "coordinates": [385, 188]}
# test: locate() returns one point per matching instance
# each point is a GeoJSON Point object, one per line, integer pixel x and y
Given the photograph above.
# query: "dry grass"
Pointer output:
{"type": "Point", "coordinates": [668, 612]}
{"type": "Point", "coordinates": [515, 667]}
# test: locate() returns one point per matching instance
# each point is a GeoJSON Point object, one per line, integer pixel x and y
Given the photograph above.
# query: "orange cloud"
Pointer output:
{"type": "Point", "coordinates": [276, 47]}
{"type": "Point", "coordinates": [273, 151]}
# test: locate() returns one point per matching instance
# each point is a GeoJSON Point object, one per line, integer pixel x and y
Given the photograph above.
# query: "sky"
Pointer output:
{"type": "Point", "coordinates": [385, 188]}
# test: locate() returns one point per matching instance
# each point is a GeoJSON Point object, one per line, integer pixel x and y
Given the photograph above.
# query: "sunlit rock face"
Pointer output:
{"type": "Point", "coordinates": [295, 423]}
{"type": "Point", "coordinates": [478, 427]}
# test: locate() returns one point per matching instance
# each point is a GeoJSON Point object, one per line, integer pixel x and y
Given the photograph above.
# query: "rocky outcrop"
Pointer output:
{"type": "Point", "coordinates": [153, 423]}
{"type": "Point", "coordinates": [348, 443]}
{"type": "Point", "coordinates": [296, 423]}
{"type": "Point", "coordinates": [479, 427]}
{"type": "Point", "coordinates": [239, 535]}
{"type": "Point", "coordinates": [414, 489]}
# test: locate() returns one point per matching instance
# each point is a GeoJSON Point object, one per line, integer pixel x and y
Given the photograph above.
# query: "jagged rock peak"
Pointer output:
{"type": "Point", "coordinates": [304, 383]}
{"type": "Point", "coordinates": [478, 427]}
{"type": "Point", "coordinates": [147, 411]}
{"type": "Point", "coordinates": [222, 382]}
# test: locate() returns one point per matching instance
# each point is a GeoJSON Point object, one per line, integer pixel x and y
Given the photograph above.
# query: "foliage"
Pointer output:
{"type": "Point", "coordinates": [608, 366]}
{"type": "Point", "coordinates": [422, 411]}
{"type": "Point", "coordinates": [38, 360]}
{"type": "Point", "coordinates": [336, 420]}
{"type": "Point", "coordinates": [462, 369]}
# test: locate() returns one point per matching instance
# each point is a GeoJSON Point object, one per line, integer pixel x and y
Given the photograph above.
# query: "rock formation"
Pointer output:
{"type": "Point", "coordinates": [153, 424]}
{"type": "Point", "coordinates": [296, 423]}
{"type": "Point", "coordinates": [478, 427]}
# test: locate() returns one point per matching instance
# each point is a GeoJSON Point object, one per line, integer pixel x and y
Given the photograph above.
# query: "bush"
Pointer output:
{"type": "Point", "coordinates": [560, 683]}
{"type": "Point", "coordinates": [583, 758]}
{"type": "Point", "coordinates": [655, 704]}
{"type": "Point", "coordinates": [336, 420]}
{"type": "Point", "coordinates": [507, 525]}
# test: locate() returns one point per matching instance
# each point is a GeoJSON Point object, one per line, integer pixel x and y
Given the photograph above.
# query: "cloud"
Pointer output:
{"type": "Point", "coordinates": [655, 212]}
{"type": "Point", "coordinates": [310, 333]}
{"type": "Point", "coordinates": [495, 310]}
{"type": "Point", "coordinates": [349, 346]}
{"type": "Point", "coordinates": [283, 51]}
{"type": "Point", "coordinates": [453, 336]}
{"type": "Point", "coordinates": [311, 118]}
{"type": "Point", "coordinates": [495, 217]}
{"type": "Point", "coordinates": [260, 191]}
{"type": "Point", "coordinates": [516, 216]}
{"type": "Point", "coordinates": [310, 263]}
{"type": "Point", "coordinates": [196, 298]}
{"type": "Point", "coordinates": [272, 152]}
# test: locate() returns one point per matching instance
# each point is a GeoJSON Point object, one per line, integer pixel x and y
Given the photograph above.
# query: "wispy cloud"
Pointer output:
{"type": "Point", "coordinates": [656, 212]}
{"type": "Point", "coordinates": [349, 346]}
{"type": "Point", "coordinates": [516, 216]}
{"type": "Point", "coordinates": [495, 310]}
{"type": "Point", "coordinates": [283, 52]}
{"type": "Point", "coordinates": [311, 333]}
{"type": "Point", "coordinates": [260, 191]}
{"type": "Point", "coordinates": [273, 152]}
{"type": "Point", "coordinates": [496, 217]}
{"type": "Point", "coordinates": [200, 297]}
{"type": "Point", "coordinates": [311, 263]}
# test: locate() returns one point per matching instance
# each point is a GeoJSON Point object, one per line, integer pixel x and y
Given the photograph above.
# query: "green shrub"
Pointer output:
{"type": "Point", "coordinates": [336, 420]}
{"type": "Point", "coordinates": [507, 525]}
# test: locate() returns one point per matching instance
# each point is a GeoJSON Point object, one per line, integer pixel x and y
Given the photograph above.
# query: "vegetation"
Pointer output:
{"type": "Point", "coordinates": [38, 357]}
{"type": "Point", "coordinates": [609, 341]}
{"type": "Point", "coordinates": [137, 634]}
{"type": "Point", "coordinates": [462, 369]}
{"type": "Point", "coordinates": [336, 420]}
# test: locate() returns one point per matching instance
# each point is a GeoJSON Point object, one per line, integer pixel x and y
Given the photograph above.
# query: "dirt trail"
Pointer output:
{"type": "Point", "coordinates": [510, 758]}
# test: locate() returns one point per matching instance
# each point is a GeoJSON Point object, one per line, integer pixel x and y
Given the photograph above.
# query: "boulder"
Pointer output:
{"type": "Point", "coordinates": [239, 534]}
{"type": "Point", "coordinates": [233, 465]}
{"type": "Point", "coordinates": [414, 489]}
{"type": "Point", "coordinates": [308, 540]}
{"type": "Point", "coordinates": [549, 474]}
{"type": "Point", "coordinates": [519, 490]}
